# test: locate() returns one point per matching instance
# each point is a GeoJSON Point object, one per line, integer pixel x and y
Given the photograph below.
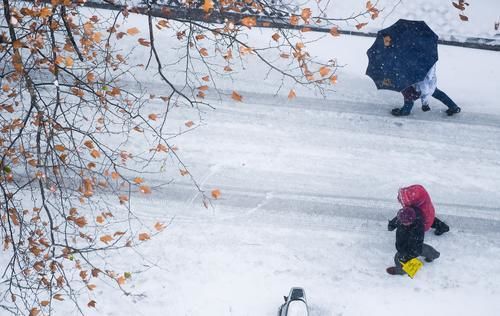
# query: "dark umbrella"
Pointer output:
{"type": "Point", "coordinates": [402, 55]}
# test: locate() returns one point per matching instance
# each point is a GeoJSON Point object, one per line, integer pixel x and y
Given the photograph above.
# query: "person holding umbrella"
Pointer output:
{"type": "Point", "coordinates": [403, 59]}
{"type": "Point", "coordinates": [424, 90]}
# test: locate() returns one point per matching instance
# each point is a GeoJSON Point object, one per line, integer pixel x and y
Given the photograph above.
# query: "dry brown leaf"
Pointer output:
{"type": "Point", "coordinates": [138, 180]}
{"type": "Point", "coordinates": [144, 42]}
{"type": "Point", "coordinates": [361, 25]}
{"type": "Point", "coordinates": [306, 14]}
{"type": "Point", "coordinates": [324, 71]}
{"type": "Point", "coordinates": [249, 21]}
{"type": "Point", "coordinates": [80, 221]}
{"type": "Point", "coordinates": [145, 189]}
{"type": "Point", "coordinates": [291, 94]}
{"type": "Point", "coordinates": [133, 31]}
{"type": "Point", "coordinates": [236, 96]}
{"type": "Point", "coordinates": [68, 61]}
{"type": "Point", "coordinates": [153, 117]}
{"type": "Point", "coordinates": [208, 5]}
{"type": "Point", "coordinates": [89, 144]}
{"type": "Point", "coordinates": [99, 219]}
{"type": "Point", "coordinates": [58, 297]}
{"type": "Point", "coordinates": [95, 153]}
{"type": "Point", "coordinates": [144, 236]}
{"type": "Point", "coordinates": [205, 78]}
{"type": "Point", "coordinates": [59, 148]}
{"type": "Point", "coordinates": [276, 37]}
{"type": "Point", "coordinates": [34, 311]}
{"type": "Point", "coordinates": [463, 17]}
{"type": "Point", "coordinates": [334, 31]}
{"type": "Point", "coordinates": [106, 239]}
{"type": "Point", "coordinates": [204, 52]}
{"type": "Point", "coordinates": [121, 280]}
{"type": "Point", "coordinates": [189, 123]}
{"type": "Point", "coordinates": [91, 303]}
{"type": "Point", "coordinates": [159, 226]}
{"type": "Point", "coordinates": [216, 193]}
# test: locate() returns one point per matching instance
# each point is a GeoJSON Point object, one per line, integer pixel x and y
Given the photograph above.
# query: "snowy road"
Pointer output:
{"type": "Point", "coordinates": [307, 188]}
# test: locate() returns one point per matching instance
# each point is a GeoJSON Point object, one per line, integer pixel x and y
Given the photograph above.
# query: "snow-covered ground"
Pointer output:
{"type": "Point", "coordinates": [307, 186]}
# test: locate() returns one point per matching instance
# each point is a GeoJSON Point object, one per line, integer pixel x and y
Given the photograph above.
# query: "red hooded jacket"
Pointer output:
{"type": "Point", "coordinates": [416, 196]}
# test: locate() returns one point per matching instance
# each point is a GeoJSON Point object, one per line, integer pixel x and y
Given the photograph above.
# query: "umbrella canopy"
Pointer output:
{"type": "Point", "coordinates": [402, 55]}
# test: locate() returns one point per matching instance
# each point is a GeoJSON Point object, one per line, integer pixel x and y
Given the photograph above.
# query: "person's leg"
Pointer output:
{"type": "Point", "coordinates": [397, 262]}
{"type": "Point", "coordinates": [440, 226]}
{"type": "Point", "coordinates": [443, 97]}
{"type": "Point", "coordinates": [429, 253]}
{"type": "Point", "coordinates": [409, 96]}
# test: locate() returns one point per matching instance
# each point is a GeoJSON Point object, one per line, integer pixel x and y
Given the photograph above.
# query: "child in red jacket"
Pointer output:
{"type": "Point", "coordinates": [416, 196]}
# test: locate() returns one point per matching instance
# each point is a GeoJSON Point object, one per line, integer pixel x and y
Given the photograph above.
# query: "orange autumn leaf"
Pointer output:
{"type": "Point", "coordinates": [34, 311]}
{"type": "Point", "coordinates": [334, 31]}
{"type": "Point", "coordinates": [115, 175]}
{"type": "Point", "coordinates": [58, 297]}
{"type": "Point", "coordinates": [144, 42]}
{"type": "Point", "coordinates": [159, 226]}
{"type": "Point", "coordinates": [236, 96]}
{"type": "Point", "coordinates": [138, 180]}
{"type": "Point", "coordinates": [121, 280]}
{"type": "Point", "coordinates": [95, 153]}
{"type": "Point", "coordinates": [68, 61]}
{"type": "Point", "coordinates": [144, 236]}
{"type": "Point", "coordinates": [145, 189]}
{"type": "Point", "coordinates": [333, 79]}
{"type": "Point", "coordinates": [249, 21]}
{"type": "Point", "coordinates": [183, 172]}
{"type": "Point", "coordinates": [205, 78]}
{"type": "Point", "coordinates": [44, 303]}
{"type": "Point", "coordinates": [306, 14]}
{"type": "Point", "coordinates": [361, 25]}
{"type": "Point", "coordinates": [204, 52]}
{"type": "Point", "coordinates": [90, 77]}
{"type": "Point", "coordinates": [208, 5]}
{"type": "Point", "coordinates": [294, 20]}
{"type": "Point", "coordinates": [106, 239]}
{"type": "Point", "coordinates": [324, 71]}
{"type": "Point", "coordinates": [291, 94]}
{"type": "Point", "coordinates": [99, 219]}
{"type": "Point", "coordinates": [276, 37]}
{"type": "Point", "coordinates": [133, 31]}
{"type": "Point", "coordinates": [80, 221]}
{"type": "Point", "coordinates": [59, 148]}
{"type": "Point", "coordinates": [89, 144]}
{"type": "Point", "coordinates": [203, 88]}
{"type": "Point", "coordinates": [189, 123]}
{"type": "Point", "coordinates": [153, 117]}
{"type": "Point", "coordinates": [216, 193]}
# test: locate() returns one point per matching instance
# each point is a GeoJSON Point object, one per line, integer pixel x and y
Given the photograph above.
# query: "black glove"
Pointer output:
{"type": "Point", "coordinates": [426, 108]}
{"type": "Point", "coordinates": [392, 225]}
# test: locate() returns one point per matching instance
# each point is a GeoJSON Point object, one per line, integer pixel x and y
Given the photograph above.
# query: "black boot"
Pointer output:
{"type": "Point", "coordinates": [426, 108]}
{"type": "Point", "coordinates": [440, 227]}
{"type": "Point", "coordinates": [452, 111]}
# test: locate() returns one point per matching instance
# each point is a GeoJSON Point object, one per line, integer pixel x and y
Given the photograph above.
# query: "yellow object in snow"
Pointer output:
{"type": "Point", "coordinates": [412, 266]}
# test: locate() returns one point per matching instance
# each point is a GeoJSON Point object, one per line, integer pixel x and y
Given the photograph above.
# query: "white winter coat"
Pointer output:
{"type": "Point", "coordinates": [427, 86]}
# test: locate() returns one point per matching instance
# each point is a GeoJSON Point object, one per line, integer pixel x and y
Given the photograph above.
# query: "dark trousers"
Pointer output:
{"type": "Point", "coordinates": [410, 95]}
{"type": "Point", "coordinates": [428, 253]}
